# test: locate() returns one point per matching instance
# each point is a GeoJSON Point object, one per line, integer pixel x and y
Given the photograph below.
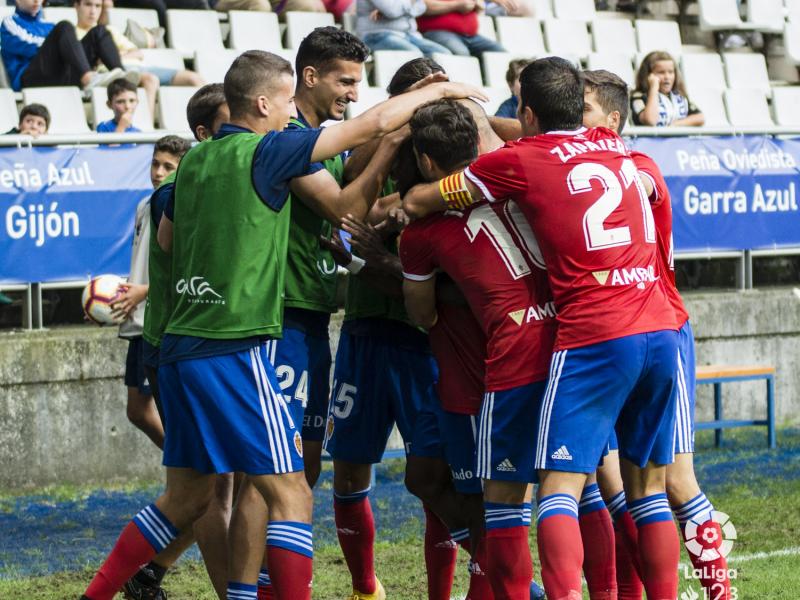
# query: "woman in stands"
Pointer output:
{"type": "Point", "coordinates": [660, 97]}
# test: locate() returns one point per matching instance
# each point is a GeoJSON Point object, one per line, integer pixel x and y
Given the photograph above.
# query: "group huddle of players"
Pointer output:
{"type": "Point", "coordinates": [510, 307]}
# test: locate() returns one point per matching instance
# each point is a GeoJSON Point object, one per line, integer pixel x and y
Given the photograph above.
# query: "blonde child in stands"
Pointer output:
{"type": "Point", "coordinates": [660, 97]}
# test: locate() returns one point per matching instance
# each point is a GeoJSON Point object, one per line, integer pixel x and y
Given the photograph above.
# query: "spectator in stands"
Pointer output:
{"type": "Point", "coordinates": [454, 24]}
{"type": "Point", "coordinates": [38, 53]}
{"type": "Point", "coordinates": [122, 100]}
{"type": "Point", "coordinates": [34, 120]}
{"type": "Point", "coordinates": [392, 25]}
{"type": "Point", "coordinates": [508, 108]}
{"type": "Point", "coordinates": [660, 97]}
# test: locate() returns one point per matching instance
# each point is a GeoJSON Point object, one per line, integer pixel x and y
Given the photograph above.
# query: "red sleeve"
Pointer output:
{"type": "Point", "coordinates": [416, 253]}
{"type": "Point", "coordinates": [648, 168]}
{"type": "Point", "coordinates": [498, 174]}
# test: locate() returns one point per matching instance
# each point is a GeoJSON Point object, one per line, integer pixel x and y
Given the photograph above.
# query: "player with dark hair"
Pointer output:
{"type": "Point", "coordinates": [606, 105]}
{"type": "Point", "coordinates": [222, 404]}
{"type": "Point", "coordinates": [207, 110]}
{"type": "Point", "coordinates": [615, 353]}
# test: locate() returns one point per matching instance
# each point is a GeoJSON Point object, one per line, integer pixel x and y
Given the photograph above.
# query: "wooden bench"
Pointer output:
{"type": "Point", "coordinates": [716, 376]}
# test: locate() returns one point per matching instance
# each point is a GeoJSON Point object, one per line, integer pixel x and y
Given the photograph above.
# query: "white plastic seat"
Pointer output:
{"type": "Point", "coordinates": [658, 35]}
{"type": "Point", "coordinates": [254, 30]}
{"type": "Point", "coordinates": [709, 102]}
{"type": "Point", "coordinates": [367, 98]}
{"type": "Point", "coordinates": [4, 82]}
{"type": "Point", "coordinates": [791, 41]}
{"type": "Point", "coordinates": [65, 105]}
{"type": "Point", "coordinates": [6, 10]}
{"type": "Point", "coordinates": [614, 35]}
{"type": "Point", "coordinates": [486, 27]}
{"type": "Point", "coordinates": [495, 65]}
{"type": "Point", "coordinates": [719, 15]}
{"type": "Point", "coordinates": [386, 62]}
{"type": "Point", "coordinates": [349, 23]}
{"type": "Point", "coordinates": [746, 71]}
{"type": "Point", "coordinates": [300, 24]}
{"type": "Point", "coordinates": [619, 64]}
{"type": "Point", "coordinates": [520, 35]}
{"type": "Point", "coordinates": [142, 119]}
{"type": "Point", "coordinates": [465, 69]}
{"type": "Point", "coordinates": [163, 57]}
{"type": "Point", "coordinates": [172, 101]}
{"type": "Point", "coordinates": [192, 30]}
{"type": "Point", "coordinates": [212, 65]}
{"type": "Point", "coordinates": [747, 108]}
{"type": "Point", "coordinates": [766, 15]}
{"type": "Point", "coordinates": [496, 96]}
{"type": "Point", "coordinates": [703, 71]}
{"type": "Point", "coordinates": [567, 38]}
{"type": "Point", "coordinates": [119, 17]}
{"type": "Point", "coordinates": [543, 9]}
{"type": "Point", "coordinates": [785, 103]}
{"type": "Point", "coordinates": [583, 10]}
{"type": "Point", "coordinates": [8, 110]}
{"type": "Point", "coordinates": [55, 14]}
{"type": "Point", "coordinates": [792, 10]}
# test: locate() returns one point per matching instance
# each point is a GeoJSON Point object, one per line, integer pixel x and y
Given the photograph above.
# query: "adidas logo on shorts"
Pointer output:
{"type": "Point", "coordinates": [561, 454]}
{"type": "Point", "coordinates": [506, 466]}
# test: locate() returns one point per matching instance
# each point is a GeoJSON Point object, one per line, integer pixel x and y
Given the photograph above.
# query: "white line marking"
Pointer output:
{"type": "Point", "coordinates": [792, 551]}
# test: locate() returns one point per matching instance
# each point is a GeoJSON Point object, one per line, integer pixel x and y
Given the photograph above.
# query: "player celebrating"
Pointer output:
{"type": "Point", "coordinates": [606, 105]}
{"type": "Point", "coordinates": [491, 253]}
{"type": "Point", "coordinates": [616, 347]}
{"type": "Point", "coordinates": [223, 410]}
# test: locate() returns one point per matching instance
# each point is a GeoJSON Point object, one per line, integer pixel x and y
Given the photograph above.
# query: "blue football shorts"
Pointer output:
{"type": "Point", "coordinates": [684, 421]}
{"type": "Point", "coordinates": [135, 375]}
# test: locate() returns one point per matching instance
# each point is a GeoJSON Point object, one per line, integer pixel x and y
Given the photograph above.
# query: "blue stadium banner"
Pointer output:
{"type": "Point", "coordinates": [68, 213]}
{"type": "Point", "coordinates": [730, 193]}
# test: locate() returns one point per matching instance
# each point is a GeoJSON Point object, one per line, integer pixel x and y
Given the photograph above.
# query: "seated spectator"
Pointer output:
{"type": "Point", "coordinates": [660, 97]}
{"type": "Point", "coordinates": [122, 100]}
{"type": "Point", "coordinates": [37, 53]}
{"type": "Point", "coordinates": [392, 25]}
{"type": "Point", "coordinates": [34, 120]}
{"type": "Point", "coordinates": [508, 108]}
{"type": "Point", "coordinates": [454, 25]}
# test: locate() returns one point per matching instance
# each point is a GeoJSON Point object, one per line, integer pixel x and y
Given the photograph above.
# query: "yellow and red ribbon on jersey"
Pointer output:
{"type": "Point", "coordinates": [454, 191]}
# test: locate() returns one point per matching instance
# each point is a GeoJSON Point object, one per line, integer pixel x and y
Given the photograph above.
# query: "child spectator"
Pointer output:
{"type": "Point", "coordinates": [122, 100]}
{"type": "Point", "coordinates": [38, 53]}
{"type": "Point", "coordinates": [508, 108]}
{"type": "Point", "coordinates": [34, 120]}
{"type": "Point", "coordinates": [392, 25]}
{"type": "Point", "coordinates": [660, 98]}
{"type": "Point", "coordinates": [454, 24]}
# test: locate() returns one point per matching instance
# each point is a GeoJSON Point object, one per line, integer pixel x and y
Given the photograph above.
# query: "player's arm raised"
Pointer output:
{"type": "Point", "coordinates": [420, 299]}
{"type": "Point", "coordinates": [385, 118]}
{"type": "Point", "coordinates": [453, 192]}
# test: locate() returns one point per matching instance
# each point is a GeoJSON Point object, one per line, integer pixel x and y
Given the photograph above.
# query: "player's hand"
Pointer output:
{"type": "Point", "coordinates": [335, 246]}
{"type": "Point", "coordinates": [129, 296]}
{"type": "Point", "coordinates": [437, 77]}
{"type": "Point", "coordinates": [398, 136]}
{"type": "Point", "coordinates": [653, 81]}
{"type": "Point", "coordinates": [365, 239]}
{"type": "Point", "coordinates": [396, 220]}
{"type": "Point", "coordinates": [453, 89]}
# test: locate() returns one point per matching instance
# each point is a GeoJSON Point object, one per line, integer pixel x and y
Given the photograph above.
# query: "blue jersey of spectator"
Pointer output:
{"type": "Point", "coordinates": [21, 36]}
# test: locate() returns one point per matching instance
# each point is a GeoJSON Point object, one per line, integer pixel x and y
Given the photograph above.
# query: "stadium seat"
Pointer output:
{"type": "Point", "coordinates": [614, 35]}
{"type": "Point", "coordinates": [4, 83]}
{"type": "Point", "coordinates": [56, 14]}
{"type": "Point", "coordinates": [766, 15]}
{"type": "Point", "coordinates": [747, 108]}
{"type": "Point", "coordinates": [495, 65]}
{"type": "Point", "coordinates": [496, 96]}
{"type": "Point", "coordinates": [8, 110]}
{"type": "Point", "coordinates": [465, 69]}
{"type": "Point", "coordinates": [719, 15]}
{"type": "Point", "coordinates": [6, 10]}
{"type": "Point", "coordinates": [703, 71]}
{"type": "Point", "coordinates": [793, 10]}
{"type": "Point", "coordinates": [543, 9]}
{"type": "Point", "coordinates": [614, 62]}
{"type": "Point", "coordinates": [367, 98]}
{"type": "Point", "coordinates": [349, 23]}
{"type": "Point", "coordinates": [567, 38]}
{"type": "Point", "coordinates": [785, 103]}
{"type": "Point", "coordinates": [212, 65]}
{"type": "Point", "coordinates": [486, 27]}
{"type": "Point", "coordinates": [100, 111]}
{"type": "Point", "coordinates": [119, 17]}
{"type": "Point", "coordinates": [746, 71]}
{"type": "Point", "coordinates": [65, 105]}
{"type": "Point", "coordinates": [710, 103]}
{"type": "Point", "coordinates": [521, 36]}
{"type": "Point", "coordinates": [163, 57]}
{"type": "Point", "coordinates": [574, 9]}
{"type": "Point", "coordinates": [192, 30]}
{"type": "Point", "coordinates": [658, 35]}
{"type": "Point", "coordinates": [791, 41]}
{"type": "Point", "coordinates": [300, 24]}
{"type": "Point", "coordinates": [254, 30]}
{"type": "Point", "coordinates": [386, 62]}
{"type": "Point", "coordinates": [172, 101]}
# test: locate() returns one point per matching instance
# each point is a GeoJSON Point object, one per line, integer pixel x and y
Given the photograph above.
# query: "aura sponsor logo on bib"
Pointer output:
{"type": "Point", "coordinates": [199, 291]}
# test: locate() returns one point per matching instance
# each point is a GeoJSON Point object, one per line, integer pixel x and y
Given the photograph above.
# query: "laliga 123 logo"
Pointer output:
{"type": "Point", "coordinates": [710, 540]}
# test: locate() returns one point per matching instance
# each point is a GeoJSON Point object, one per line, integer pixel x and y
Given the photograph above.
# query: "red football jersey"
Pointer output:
{"type": "Point", "coordinates": [662, 214]}
{"type": "Point", "coordinates": [582, 195]}
{"type": "Point", "coordinates": [459, 346]}
{"type": "Point", "coordinates": [491, 254]}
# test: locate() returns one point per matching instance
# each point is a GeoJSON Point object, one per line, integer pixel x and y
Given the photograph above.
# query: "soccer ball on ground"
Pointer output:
{"type": "Point", "coordinates": [98, 296]}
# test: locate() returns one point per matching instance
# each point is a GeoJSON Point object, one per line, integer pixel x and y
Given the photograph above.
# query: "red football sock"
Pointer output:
{"type": "Point", "coordinates": [440, 557]}
{"type": "Point", "coordinates": [630, 536]}
{"type": "Point", "coordinates": [659, 551]}
{"type": "Point", "coordinates": [355, 527]}
{"type": "Point", "coordinates": [479, 586]}
{"type": "Point", "coordinates": [131, 551]}
{"type": "Point", "coordinates": [599, 566]}
{"type": "Point", "coordinates": [265, 590]}
{"type": "Point", "coordinates": [629, 585]}
{"type": "Point", "coordinates": [713, 573]}
{"type": "Point", "coordinates": [509, 566]}
{"type": "Point", "coordinates": [290, 572]}
{"type": "Point", "coordinates": [561, 555]}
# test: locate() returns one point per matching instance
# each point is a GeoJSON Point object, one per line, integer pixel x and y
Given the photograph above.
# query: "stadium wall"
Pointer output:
{"type": "Point", "coordinates": [62, 399]}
